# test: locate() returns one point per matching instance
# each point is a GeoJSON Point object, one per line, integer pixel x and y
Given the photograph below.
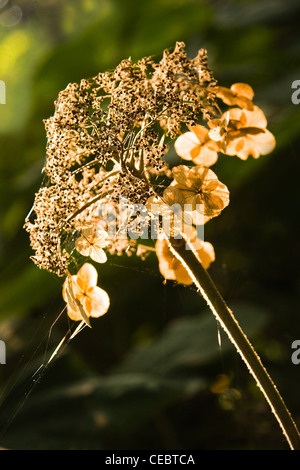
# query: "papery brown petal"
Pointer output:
{"type": "Point", "coordinates": [98, 254]}
{"type": "Point", "coordinates": [97, 302]}
{"type": "Point", "coordinates": [186, 144]}
{"type": "Point", "coordinates": [87, 277]}
{"type": "Point", "coordinates": [207, 156]}
{"type": "Point", "coordinates": [206, 254]}
{"type": "Point", "coordinates": [243, 89]}
{"type": "Point", "coordinates": [173, 195]}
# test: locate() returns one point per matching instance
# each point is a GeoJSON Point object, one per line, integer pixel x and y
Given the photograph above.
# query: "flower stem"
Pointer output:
{"type": "Point", "coordinates": [225, 317]}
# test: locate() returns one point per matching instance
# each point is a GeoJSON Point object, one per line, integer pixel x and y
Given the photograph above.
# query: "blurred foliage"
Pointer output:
{"type": "Point", "coordinates": [150, 374]}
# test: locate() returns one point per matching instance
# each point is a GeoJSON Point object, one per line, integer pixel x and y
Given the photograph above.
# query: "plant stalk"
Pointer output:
{"type": "Point", "coordinates": [225, 317]}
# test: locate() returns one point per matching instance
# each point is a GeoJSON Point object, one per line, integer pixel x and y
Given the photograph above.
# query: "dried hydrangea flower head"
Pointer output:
{"type": "Point", "coordinates": [106, 141]}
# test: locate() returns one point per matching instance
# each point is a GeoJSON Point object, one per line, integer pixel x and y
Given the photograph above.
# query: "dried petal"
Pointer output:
{"type": "Point", "coordinates": [239, 94]}
{"type": "Point", "coordinates": [250, 138]}
{"type": "Point", "coordinates": [197, 146]}
{"type": "Point", "coordinates": [199, 192]}
{"type": "Point", "coordinates": [96, 302]}
{"type": "Point", "coordinates": [86, 277]}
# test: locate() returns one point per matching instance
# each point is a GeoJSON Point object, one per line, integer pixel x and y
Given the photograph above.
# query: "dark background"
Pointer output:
{"type": "Point", "coordinates": [151, 374]}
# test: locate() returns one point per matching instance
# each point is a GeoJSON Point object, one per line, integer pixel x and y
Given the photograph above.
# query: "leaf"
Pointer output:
{"type": "Point", "coordinates": [82, 414]}
{"type": "Point", "coordinates": [190, 343]}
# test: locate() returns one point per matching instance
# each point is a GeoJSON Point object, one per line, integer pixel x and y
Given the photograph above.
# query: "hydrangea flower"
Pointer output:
{"type": "Point", "coordinates": [244, 133]}
{"type": "Point", "coordinates": [239, 94]}
{"type": "Point", "coordinates": [198, 191]}
{"type": "Point", "coordinates": [91, 243]}
{"type": "Point", "coordinates": [83, 297]}
{"type": "Point", "coordinates": [196, 145]}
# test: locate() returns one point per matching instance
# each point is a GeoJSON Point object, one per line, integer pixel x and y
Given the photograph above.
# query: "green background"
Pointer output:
{"type": "Point", "coordinates": [142, 377]}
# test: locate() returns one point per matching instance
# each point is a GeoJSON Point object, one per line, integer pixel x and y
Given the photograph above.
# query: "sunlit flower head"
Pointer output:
{"type": "Point", "coordinates": [82, 295]}
{"type": "Point", "coordinates": [197, 146]}
{"type": "Point", "coordinates": [245, 133]}
{"type": "Point", "coordinates": [91, 243]}
{"type": "Point", "coordinates": [171, 268]}
{"type": "Point", "coordinates": [198, 191]}
{"type": "Point", "coordinates": [239, 94]}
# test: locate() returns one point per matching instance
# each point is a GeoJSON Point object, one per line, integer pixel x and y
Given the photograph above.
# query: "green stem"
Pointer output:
{"type": "Point", "coordinates": [225, 317]}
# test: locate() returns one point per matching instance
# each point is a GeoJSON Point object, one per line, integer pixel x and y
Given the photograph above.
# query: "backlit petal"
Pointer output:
{"type": "Point", "coordinates": [239, 94]}
{"type": "Point", "coordinates": [207, 156]}
{"type": "Point", "coordinates": [74, 314]}
{"type": "Point", "coordinates": [255, 118]}
{"type": "Point", "coordinates": [98, 254]}
{"type": "Point", "coordinates": [97, 302]}
{"type": "Point", "coordinates": [185, 144]}
{"type": "Point", "coordinates": [87, 277]}
{"type": "Point", "coordinates": [171, 268]}
{"type": "Point", "coordinates": [260, 144]}
{"type": "Point", "coordinates": [206, 254]}
{"type": "Point", "coordinates": [243, 89]}
{"type": "Point", "coordinates": [82, 246]}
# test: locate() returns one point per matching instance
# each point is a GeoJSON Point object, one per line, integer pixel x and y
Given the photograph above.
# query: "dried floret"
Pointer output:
{"type": "Point", "coordinates": [239, 94]}
{"type": "Point", "coordinates": [107, 141]}
{"type": "Point", "coordinates": [198, 191]}
{"type": "Point", "coordinates": [196, 145]}
{"type": "Point", "coordinates": [83, 297]}
{"type": "Point", "coordinates": [243, 133]}
{"type": "Point", "coordinates": [91, 243]}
